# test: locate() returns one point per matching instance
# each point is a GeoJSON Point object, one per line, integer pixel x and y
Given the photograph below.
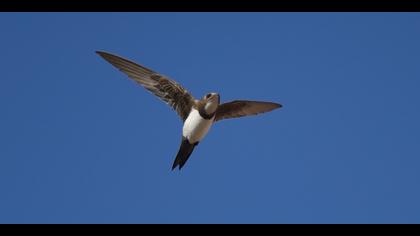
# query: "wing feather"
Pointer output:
{"type": "Point", "coordinates": [166, 89]}
{"type": "Point", "coordinates": [242, 108]}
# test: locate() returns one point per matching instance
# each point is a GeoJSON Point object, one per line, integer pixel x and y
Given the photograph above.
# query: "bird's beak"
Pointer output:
{"type": "Point", "coordinates": [216, 96]}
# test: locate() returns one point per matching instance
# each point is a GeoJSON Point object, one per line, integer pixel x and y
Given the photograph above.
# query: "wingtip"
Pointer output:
{"type": "Point", "coordinates": [276, 105]}
{"type": "Point", "coordinates": [101, 53]}
{"type": "Point", "coordinates": [106, 55]}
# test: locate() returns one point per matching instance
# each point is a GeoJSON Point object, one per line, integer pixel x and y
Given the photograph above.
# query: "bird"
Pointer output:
{"type": "Point", "coordinates": [198, 115]}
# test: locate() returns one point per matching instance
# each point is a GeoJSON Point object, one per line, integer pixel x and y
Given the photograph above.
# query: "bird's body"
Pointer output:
{"type": "Point", "coordinates": [198, 115]}
{"type": "Point", "coordinates": [196, 127]}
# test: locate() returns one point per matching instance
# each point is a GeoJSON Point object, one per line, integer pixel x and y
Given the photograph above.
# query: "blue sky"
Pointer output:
{"type": "Point", "coordinates": [81, 143]}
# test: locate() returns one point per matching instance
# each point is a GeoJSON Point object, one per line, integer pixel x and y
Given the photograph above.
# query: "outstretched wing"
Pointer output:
{"type": "Point", "coordinates": [166, 89]}
{"type": "Point", "coordinates": [240, 108]}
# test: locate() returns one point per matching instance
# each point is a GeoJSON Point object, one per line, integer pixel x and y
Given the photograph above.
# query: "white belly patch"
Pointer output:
{"type": "Point", "coordinates": [196, 127]}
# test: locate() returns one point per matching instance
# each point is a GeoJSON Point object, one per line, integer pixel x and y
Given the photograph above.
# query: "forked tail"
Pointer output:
{"type": "Point", "coordinates": [184, 153]}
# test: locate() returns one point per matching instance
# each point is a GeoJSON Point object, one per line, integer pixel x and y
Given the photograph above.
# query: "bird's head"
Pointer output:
{"type": "Point", "coordinates": [212, 101]}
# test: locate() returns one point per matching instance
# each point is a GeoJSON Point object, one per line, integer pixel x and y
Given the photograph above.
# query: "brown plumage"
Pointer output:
{"type": "Point", "coordinates": [197, 115]}
{"type": "Point", "coordinates": [166, 89]}
{"type": "Point", "coordinates": [240, 108]}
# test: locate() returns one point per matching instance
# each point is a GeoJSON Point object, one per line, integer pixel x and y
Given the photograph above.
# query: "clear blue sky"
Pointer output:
{"type": "Point", "coordinates": [81, 143]}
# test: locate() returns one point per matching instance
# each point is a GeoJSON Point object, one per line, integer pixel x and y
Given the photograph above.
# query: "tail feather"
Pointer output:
{"type": "Point", "coordinates": [184, 153]}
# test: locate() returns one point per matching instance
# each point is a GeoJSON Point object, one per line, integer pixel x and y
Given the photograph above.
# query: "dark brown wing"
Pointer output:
{"type": "Point", "coordinates": [166, 89]}
{"type": "Point", "coordinates": [238, 108]}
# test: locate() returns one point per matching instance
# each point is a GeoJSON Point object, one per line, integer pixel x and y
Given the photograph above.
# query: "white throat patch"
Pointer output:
{"type": "Point", "coordinates": [211, 106]}
{"type": "Point", "coordinates": [196, 127]}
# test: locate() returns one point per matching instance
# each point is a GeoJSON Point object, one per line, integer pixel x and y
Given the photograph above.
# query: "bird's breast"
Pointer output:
{"type": "Point", "coordinates": [196, 127]}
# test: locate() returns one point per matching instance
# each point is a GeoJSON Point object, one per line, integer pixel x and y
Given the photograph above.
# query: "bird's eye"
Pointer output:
{"type": "Point", "coordinates": [208, 95]}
